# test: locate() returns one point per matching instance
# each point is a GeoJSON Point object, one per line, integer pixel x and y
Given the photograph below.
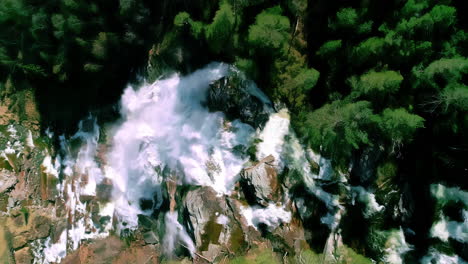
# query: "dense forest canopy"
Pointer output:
{"type": "Point", "coordinates": [357, 76]}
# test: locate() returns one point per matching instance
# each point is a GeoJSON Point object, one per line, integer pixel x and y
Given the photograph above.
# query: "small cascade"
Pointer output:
{"type": "Point", "coordinates": [175, 233]}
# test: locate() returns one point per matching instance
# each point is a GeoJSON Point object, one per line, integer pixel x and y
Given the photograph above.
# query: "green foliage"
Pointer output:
{"type": "Point", "coordinates": [247, 66]}
{"type": "Point", "coordinates": [182, 19]}
{"type": "Point", "coordinates": [39, 25]}
{"type": "Point", "coordinates": [339, 128]}
{"type": "Point", "coordinates": [387, 170]}
{"type": "Point", "coordinates": [413, 7]}
{"type": "Point", "coordinates": [4, 57]}
{"type": "Point", "coordinates": [450, 70]}
{"type": "Point", "coordinates": [376, 84]}
{"type": "Point", "coordinates": [58, 22]}
{"type": "Point", "coordinates": [309, 256]}
{"type": "Point", "coordinates": [439, 19]}
{"type": "Point", "coordinates": [370, 49]}
{"type": "Point", "coordinates": [399, 126]}
{"type": "Point", "coordinates": [346, 18]}
{"type": "Point", "coordinates": [454, 96]}
{"type": "Point", "coordinates": [32, 69]}
{"type": "Point", "coordinates": [270, 30]}
{"type": "Point", "coordinates": [294, 89]}
{"type": "Point", "coordinates": [25, 212]}
{"type": "Point", "coordinates": [298, 7]}
{"type": "Point", "coordinates": [329, 48]}
{"type": "Point", "coordinates": [13, 11]}
{"type": "Point", "coordinates": [219, 32]}
{"type": "Point", "coordinates": [347, 255]}
{"type": "Point", "coordinates": [91, 67]}
{"type": "Point", "coordinates": [102, 45]}
{"type": "Point", "coordinates": [197, 29]}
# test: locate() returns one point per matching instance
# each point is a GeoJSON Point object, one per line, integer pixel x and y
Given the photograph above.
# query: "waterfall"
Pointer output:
{"type": "Point", "coordinates": [164, 126]}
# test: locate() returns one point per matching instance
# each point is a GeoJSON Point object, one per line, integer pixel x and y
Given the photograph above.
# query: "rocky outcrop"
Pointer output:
{"type": "Point", "coordinates": [238, 99]}
{"type": "Point", "coordinates": [7, 181]}
{"type": "Point", "coordinates": [215, 223]}
{"type": "Point", "coordinates": [24, 256]}
{"type": "Point", "coordinates": [260, 182]}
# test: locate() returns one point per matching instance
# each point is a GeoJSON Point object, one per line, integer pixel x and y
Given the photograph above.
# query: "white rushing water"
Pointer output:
{"type": "Point", "coordinates": [395, 247]}
{"type": "Point", "coordinates": [272, 216]}
{"type": "Point", "coordinates": [279, 140]}
{"type": "Point", "coordinates": [368, 199]}
{"type": "Point", "coordinates": [436, 257]}
{"type": "Point", "coordinates": [176, 235]}
{"type": "Point", "coordinates": [164, 125]}
{"type": "Point", "coordinates": [445, 228]}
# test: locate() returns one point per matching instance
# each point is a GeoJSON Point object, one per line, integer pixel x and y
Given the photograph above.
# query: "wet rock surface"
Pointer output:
{"type": "Point", "coordinates": [260, 182]}
{"type": "Point", "coordinates": [238, 99]}
{"type": "Point", "coordinates": [213, 222]}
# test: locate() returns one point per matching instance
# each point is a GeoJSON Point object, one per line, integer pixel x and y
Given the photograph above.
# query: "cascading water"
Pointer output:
{"type": "Point", "coordinates": [164, 127]}
{"type": "Point", "coordinates": [166, 133]}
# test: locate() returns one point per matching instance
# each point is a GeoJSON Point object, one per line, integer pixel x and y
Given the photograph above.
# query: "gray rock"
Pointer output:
{"type": "Point", "coordinates": [260, 182]}
{"type": "Point", "coordinates": [202, 205]}
{"type": "Point", "coordinates": [212, 222]}
{"type": "Point", "coordinates": [239, 99]}
{"type": "Point", "coordinates": [365, 165]}
{"type": "Point", "coordinates": [7, 181]}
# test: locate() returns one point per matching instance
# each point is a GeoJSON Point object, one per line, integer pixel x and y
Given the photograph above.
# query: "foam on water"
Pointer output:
{"type": "Point", "coordinates": [81, 175]}
{"type": "Point", "coordinates": [396, 247]}
{"type": "Point", "coordinates": [51, 167]}
{"type": "Point", "coordinates": [280, 141]}
{"type": "Point", "coordinates": [273, 136]}
{"type": "Point", "coordinates": [368, 199]}
{"type": "Point", "coordinates": [29, 140]}
{"type": "Point", "coordinates": [436, 257]}
{"type": "Point", "coordinates": [165, 125]}
{"type": "Point", "coordinates": [272, 216]}
{"type": "Point", "coordinates": [443, 228]}
{"type": "Point", "coordinates": [222, 219]}
{"type": "Point", "coordinates": [445, 194]}
{"type": "Point", "coordinates": [176, 235]}
{"type": "Point", "coordinates": [54, 252]}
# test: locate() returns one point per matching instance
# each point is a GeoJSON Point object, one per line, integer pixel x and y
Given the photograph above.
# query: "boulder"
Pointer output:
{"type": "Point", "coordinates": [213, 223]}
{"type": "Point", "coordinates": [239, 99]}
{"type": "Point", "coordinates": [365, 165]}
{"type": "Point", "coordinates": [7, 181]}
{"type": "Point", "coordinates": [260, 182]}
